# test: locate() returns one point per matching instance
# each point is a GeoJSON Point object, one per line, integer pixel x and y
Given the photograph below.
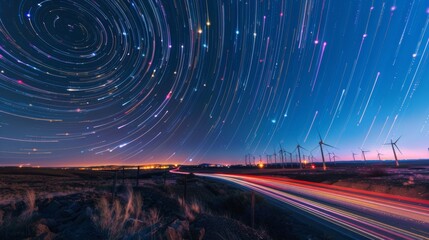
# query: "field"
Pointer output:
{"type": "Point", "coordinates": [74, 204]}
{"type": "Point", "coordinates": [82, 204]}
{"type": "Point", "coordinates": [411, 179]}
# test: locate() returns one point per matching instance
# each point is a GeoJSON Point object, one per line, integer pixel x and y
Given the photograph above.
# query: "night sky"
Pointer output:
{"type": "Point", "coordinates": [155, 81]}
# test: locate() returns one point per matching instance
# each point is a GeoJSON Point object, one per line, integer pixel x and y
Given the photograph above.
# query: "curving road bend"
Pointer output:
{"type": "Point", "coordinates": [352, 213]}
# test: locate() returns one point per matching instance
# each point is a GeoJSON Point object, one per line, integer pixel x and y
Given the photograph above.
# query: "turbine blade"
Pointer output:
{"type": "Point", "coordinates": [397, 148]}
{"type": "Point", "coordinates": [329, 145]}
{"type": "Point", "coordinates": [397, 139]}
{"type": "Point", "coordinates": [314, 148]}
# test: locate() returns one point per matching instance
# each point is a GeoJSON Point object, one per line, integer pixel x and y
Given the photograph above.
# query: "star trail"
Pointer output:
{"type": "Point", "coordinates": [117, 81]}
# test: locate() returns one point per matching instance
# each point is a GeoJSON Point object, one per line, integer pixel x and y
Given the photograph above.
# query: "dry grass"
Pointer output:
{"type": "Point", "coordinates": [117, 220]}
{"type": "Point", "coordinates": [30, 204]}
{"type": "Point", "coordinates": [196, 207]}
{"type": "Point", "coordinates": [153, 217]}
{"type": "Point", "coordinates": [17, 228]}
{"type": "Point", "coordinates": [191, 209]}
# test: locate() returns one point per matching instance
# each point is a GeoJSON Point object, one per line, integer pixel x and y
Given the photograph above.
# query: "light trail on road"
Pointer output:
{"type": "Point", "coordinates": [351, 212]}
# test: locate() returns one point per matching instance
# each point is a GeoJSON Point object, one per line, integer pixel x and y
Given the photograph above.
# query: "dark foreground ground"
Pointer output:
{"type": "Point", "coordinates": [74, 204]}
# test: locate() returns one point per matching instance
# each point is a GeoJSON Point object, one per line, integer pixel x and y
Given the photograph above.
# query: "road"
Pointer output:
{"type": "Point", "coordinates": [352, 213]}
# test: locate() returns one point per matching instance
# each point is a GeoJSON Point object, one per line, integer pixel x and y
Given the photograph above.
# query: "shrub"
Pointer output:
{"type": "Point", "coordinates": [377, 172]}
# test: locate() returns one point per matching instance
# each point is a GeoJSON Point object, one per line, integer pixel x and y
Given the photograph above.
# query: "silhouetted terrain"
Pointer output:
{"type": "Point", "coordinates": [74, 204]}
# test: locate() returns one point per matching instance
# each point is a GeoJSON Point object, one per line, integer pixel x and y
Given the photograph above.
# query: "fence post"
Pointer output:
{"type": "Point", "coordinates": [253, 209]}
{"type": "Point", "coordinates": [123, 175]}
{"type": "Point", "coordinates": [137, 177]}
{"type": "Point", "coordinates": [114, 185]}
{"type": "Point", "coordinates": [185, 187]}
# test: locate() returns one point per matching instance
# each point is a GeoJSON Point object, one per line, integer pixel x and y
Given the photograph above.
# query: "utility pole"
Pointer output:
{"type": "Point", "coordinates": [185, 188]}
{"type": "Point", "coordinates": [137, 177]}
{"type": "Point", "coordinates": [114, 185]}
{"type": "Point", "coordinates": [123, 175]}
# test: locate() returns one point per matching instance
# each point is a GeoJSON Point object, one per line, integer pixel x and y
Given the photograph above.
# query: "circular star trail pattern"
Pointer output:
{"type": "Point", "coordinates": [87, 82]}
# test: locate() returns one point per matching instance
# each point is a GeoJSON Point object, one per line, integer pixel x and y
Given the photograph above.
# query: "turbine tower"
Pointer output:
{"type": "Point", "coordinates": [321, 143]}
{"type": "Point", "coordinates": [379, 155]}
{"type": "Point", "coordinates": [354, 154]}
{"type": "Point", "coordinates": [268, 159]}
{"type": "Point", "coordinates": [275, 157]}
{"type": "Point", "coordinates": [281, 151]}
{"type": "Point", "coordinates": [334, 157]}
{"type": "Point", "coordinates": [290, 157]}
{"type": "Point", "coordinates": [363, 154]}
{"type": "Point", "coordinates": [299, 147]}
{"type": "Point", "coordinates": [393, 144]}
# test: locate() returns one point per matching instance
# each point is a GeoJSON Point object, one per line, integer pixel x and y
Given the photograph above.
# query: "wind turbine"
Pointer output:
{"type": "Point", "coordinates": [281, 151]}
{"type": "Point", "coordinates": [290, 157]}
{"type": "Point", "coordinates": [393, 144]}
{"type": "Point", "coordinates": [268, 159]}
{"type": "Point", "coordinates": [321, 143]}
{"type": "Point", "coordinates": [275, 157]}
{"type": "Point", "coordinates": [378, 155]}
{"type": "Point", "coordinates": [311, 153]}
{"type": "Point", "coordinates": [334, 157]}
{"type": "Point", "coordinates": [354, 154]}
{"type": "Point", "coordinates": [330, 159]}
{"type": "Point", "coordinates": [363, 154]}
{"type": "Point", "coordinates": [299, 147]}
